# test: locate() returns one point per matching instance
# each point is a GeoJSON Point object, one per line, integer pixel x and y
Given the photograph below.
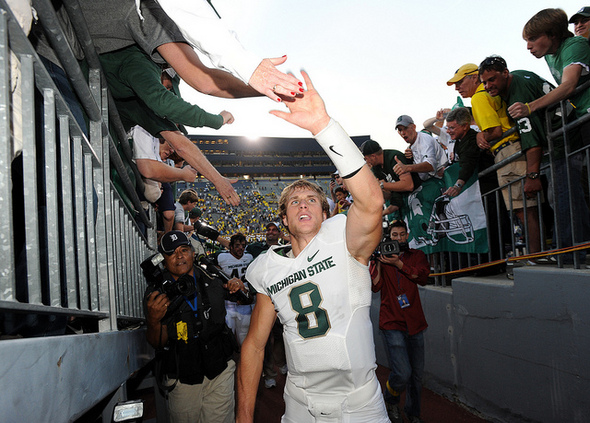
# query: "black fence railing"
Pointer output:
{"type": "Point", "coordinates": [562, 211]}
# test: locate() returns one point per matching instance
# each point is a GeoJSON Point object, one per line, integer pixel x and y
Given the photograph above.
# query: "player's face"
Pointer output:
{"type": "Point", "coordinates": [237, 249]}
{"type": "Point", "coordinates": [582, 27]}
{"type": "Point", "coordinates": [272, 234]}
{"type": "Point", "coordinates": [180, 262]}
{"type": "Point", "coordinates": [304, 214]}
{"type": "Point", "coordinates": [495, 82]}
{"type": "Point", "coordinates": [399, 234]}
{"type": "Point", "coordinates": [408, 133]}
{"type": "Point", "coordinates": [467, 86]}
{"type": "Point", "coordinates": [541, 45]}
{"type": "Point", "coordinates": [456, 131]}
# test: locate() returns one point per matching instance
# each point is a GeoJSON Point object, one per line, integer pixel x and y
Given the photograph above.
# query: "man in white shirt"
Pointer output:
{"type": "Point", "coordinates": [149, 154]}
{"type": "Point", "coordinates": [429, 157]}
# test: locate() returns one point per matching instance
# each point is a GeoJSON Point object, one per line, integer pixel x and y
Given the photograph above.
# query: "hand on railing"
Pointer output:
{"type": "Point", "coordinates": [519, 110]}
{"type": "Point", "coordinates": [481, 141]}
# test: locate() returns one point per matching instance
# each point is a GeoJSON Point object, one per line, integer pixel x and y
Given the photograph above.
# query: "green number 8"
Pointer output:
{"type": "Point", "coordinates": [312, 320]}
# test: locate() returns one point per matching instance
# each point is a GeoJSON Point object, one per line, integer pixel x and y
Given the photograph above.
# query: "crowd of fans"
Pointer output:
{"type": "Point", "coordinates": [477, 137]}
{"type": "Point", "coordinates": [143, 75]}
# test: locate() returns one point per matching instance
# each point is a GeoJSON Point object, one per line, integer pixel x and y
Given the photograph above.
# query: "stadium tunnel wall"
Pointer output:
{"type": "Point", "coordinates": [515, 351]}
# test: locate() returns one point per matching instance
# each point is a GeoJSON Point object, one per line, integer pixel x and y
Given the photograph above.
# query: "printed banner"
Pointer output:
{"type": "Point", "coordinates": [438, 222]}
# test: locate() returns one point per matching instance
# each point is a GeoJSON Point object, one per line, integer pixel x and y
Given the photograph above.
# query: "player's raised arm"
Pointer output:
{"type": "Point", "coordinates": [363, 228]}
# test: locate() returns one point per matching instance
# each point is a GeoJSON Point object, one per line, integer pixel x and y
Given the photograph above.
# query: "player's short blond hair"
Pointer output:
{"type": "Point", "coordinates": [302, 184]}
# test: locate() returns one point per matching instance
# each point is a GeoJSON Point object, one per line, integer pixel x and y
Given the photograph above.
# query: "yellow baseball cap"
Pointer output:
{"type": "Point", "coordinates": [462, 72]}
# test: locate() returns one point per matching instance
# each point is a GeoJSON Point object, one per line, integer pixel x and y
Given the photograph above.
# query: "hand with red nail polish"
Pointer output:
{"type": "Point", "coordinates": [306, 111]}
{"type": "Point", "coordinates": [270, 81]}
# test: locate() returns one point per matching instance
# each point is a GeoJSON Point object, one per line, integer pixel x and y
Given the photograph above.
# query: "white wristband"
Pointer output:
{"type": "Point", "coordinates": [339, 147]}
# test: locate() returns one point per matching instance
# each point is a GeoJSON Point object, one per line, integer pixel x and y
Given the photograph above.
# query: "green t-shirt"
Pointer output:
{"type": "Point", "coordinates": [385, 172]}
{"type": "Point", "coordinates": [525, 87]}
{"type": "Point", "coordinates": [573, 50]}
{"type": "Point", "coordinates": [132, 76]}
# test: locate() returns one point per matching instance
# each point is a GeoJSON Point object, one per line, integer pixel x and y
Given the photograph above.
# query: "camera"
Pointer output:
{"type": "Point", "coordinates": [153, 271]}
{"type": "Point", "coordinates": [206, 230]}
{"type": "Point", "coordinates": [389, 247]}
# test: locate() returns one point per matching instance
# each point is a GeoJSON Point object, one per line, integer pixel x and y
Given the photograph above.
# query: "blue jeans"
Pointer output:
{"type": "Point", "coordinates": [406, 361]}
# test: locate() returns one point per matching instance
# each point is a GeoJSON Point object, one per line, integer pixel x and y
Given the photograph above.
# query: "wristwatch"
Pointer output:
{"type": "Point", "coordinates": [381, 184]}
{"type": "Point", "coordinates": [533, 175]}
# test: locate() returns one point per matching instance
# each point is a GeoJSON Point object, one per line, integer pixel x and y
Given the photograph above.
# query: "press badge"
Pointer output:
{"type": "Point", "coordinates": [182, 331]}
{"type": "Point", "coordinates": [403, 301]}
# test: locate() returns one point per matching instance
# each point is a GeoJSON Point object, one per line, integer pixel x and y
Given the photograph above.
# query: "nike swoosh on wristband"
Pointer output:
{"type": "Point", "coordinates": [312, 257]}
{"type": "Point", "coordinates": [334, 151]}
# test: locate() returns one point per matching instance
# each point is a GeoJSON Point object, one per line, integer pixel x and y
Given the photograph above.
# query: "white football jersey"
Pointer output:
{"type": "Point", "coordinates": [322, 297]}
{"type": "Point", "coordinates": [235, 268]}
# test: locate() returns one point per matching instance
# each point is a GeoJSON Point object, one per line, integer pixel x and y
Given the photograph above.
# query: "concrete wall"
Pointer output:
{"type": "Point", "coordinates": [516, 351]}
{"type": "Point", "coordinates": [57, 379]}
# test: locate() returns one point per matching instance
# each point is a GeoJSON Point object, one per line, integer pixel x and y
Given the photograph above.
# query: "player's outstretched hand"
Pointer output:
{"type": "Point", "coordinates": [307, 110]}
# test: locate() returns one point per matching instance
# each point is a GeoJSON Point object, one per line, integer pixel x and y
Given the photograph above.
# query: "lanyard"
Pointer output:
{"type": "Point", "coordinates": [194, 303]}
{"type": "Point", "coordinates": [399, 287]}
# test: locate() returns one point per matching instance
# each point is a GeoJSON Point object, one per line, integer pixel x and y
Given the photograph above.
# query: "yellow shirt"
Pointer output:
{"type": "Point", "coordinates": [490, 112]}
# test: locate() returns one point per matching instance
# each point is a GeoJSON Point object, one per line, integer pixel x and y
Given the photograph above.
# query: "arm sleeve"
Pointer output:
{"type": "Point", "coordinates": [530, 128]}
{"type": "Point", "coordinates": [204, 30]}
{"type": "Point", "coordinates": [417, 265]}
{"type": "Point", "coordinates": [483, 111]}
{"type": "Point", "coordinates": [143, 144]}
{"type": "Point", "coordinates": [469, 159]}
{"type": "Point", "coordinates": [373, 269]}
{"type": "Point", "coordinates": [178, 213]}
{"type": "Point", "coordinates": [143, 76]}
{"type": "Point", "coordinates": [577, 53]}
{"type": "Point", "coordinates": [426, 152]}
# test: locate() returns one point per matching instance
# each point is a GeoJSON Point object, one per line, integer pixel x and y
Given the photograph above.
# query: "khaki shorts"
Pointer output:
{"type": "Point", "coordinates": [512, 172]}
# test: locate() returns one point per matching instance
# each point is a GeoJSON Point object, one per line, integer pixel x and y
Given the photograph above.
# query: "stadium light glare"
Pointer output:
{"type": "Point", "coordinates": [252, 138]}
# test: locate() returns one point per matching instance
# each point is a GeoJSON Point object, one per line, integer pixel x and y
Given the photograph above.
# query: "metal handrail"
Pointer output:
{"type": "Point", "coordinates": [56, 36]}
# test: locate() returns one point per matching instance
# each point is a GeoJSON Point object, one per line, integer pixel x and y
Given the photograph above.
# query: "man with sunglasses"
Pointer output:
{"type": "Point", "coordinates": [524, 86]}
{"type": "Point", "coordinates": [527, 165]}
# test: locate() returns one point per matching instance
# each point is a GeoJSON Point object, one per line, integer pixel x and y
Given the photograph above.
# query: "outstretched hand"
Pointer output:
{"type": "Point", "coordinates": [226, 191]}
{"type": "Point", "coordinates": [271, 82]}
{"type": "Point", "coordinates": [307, 110]}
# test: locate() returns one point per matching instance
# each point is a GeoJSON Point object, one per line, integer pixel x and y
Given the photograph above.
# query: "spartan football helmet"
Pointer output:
{"type": "Point", "coordinates": [446, 222]}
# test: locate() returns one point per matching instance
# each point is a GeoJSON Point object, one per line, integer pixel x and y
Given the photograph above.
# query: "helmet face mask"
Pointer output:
{"type": "Point", "coordinates": [445, 222]}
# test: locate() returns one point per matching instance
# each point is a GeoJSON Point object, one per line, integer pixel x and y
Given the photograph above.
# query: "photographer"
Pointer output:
{"type": "Point", "coordinates": [185, 313]}
{"type": "Point", "coordinates": [401, 319]}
